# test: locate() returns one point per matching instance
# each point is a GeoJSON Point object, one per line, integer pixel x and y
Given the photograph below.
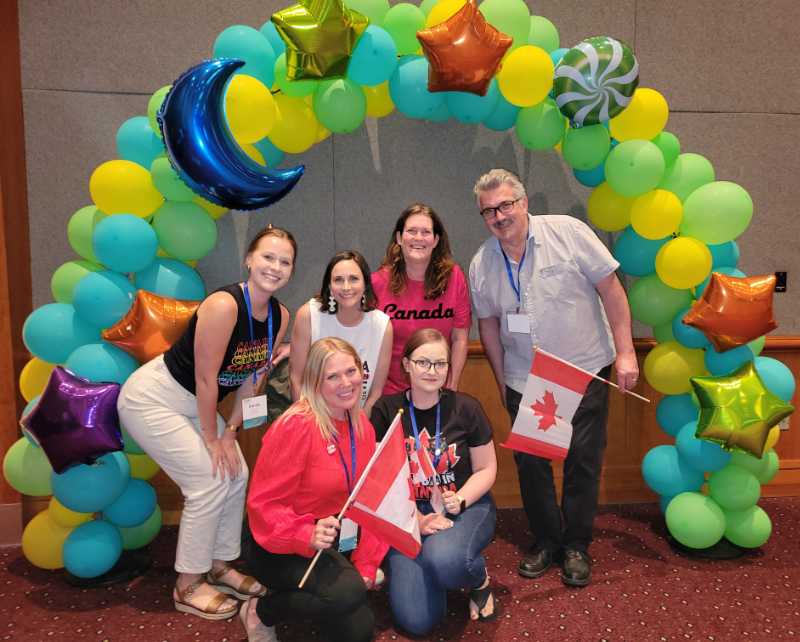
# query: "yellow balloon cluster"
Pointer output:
{"type": "Point", "coordinates": [657, 214]}
{"type": "Point", "coordinates": [526, 77]}
{"type": "Point", "coordinates": [121, 186]}
{"type": "Point", "coordinates": [683, 262]}
{"type": "Point", "coordinates": [33, 378]}
{"type": "Point", "coordinates": [42, 541]}
{"type": "Point", "coordinates": [608, 210]}
{"type": "Point", "coordinates": [295, 127]}
{"type": "Point", "coordinates": [670, 366]}
{"type": "Point", "coordinates": [645, 117]}
{"type": "Point", "coordinates": [249, 109]}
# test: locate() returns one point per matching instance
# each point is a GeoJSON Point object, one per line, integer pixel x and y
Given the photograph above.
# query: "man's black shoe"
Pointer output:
{"type": "Point", "coordinates": [576, 569]}
{"type": "Point", "coordinates": [536, 563]}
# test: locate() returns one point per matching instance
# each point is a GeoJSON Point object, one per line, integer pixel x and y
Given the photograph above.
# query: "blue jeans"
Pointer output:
{"type": "Point", "coordinates": [449, 560]}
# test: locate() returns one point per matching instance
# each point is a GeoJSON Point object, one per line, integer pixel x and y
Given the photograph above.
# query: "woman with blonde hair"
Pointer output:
{"type": "Point", "coordinates": [310, 460]}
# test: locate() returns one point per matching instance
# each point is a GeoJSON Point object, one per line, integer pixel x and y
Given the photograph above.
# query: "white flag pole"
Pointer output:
{"type": "Point", "coordinates": [610, 383]}
{"type": "Point", "coordinates": [358, 486]}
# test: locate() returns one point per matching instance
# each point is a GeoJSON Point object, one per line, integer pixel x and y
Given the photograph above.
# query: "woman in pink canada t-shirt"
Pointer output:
{"type": "Point", "coordinates": [419, 286]}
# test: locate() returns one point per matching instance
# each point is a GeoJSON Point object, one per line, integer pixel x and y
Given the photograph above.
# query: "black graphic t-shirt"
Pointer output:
{"type": "Point", "coordinates": [463, 426]}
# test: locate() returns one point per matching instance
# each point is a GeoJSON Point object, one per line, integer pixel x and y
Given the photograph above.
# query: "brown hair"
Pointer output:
{"type": "Point", "coordinates": [418, 339]}
{"type": "Point", "coordinates": [277, 232]}
{"type": "Point", "coordinates": [440, 267]}
{"type": "Point", "coordinates": [370, 300]}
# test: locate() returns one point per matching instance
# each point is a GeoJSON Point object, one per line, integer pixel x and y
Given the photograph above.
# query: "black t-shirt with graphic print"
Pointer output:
{"type": "Point", "coordinates": [463, 426]}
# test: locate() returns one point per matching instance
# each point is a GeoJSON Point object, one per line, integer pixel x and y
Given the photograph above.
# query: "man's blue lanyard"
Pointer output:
{"type": "Point", "coordinates": [437, 454]}
{"type": "Point", "coordinates": [352, 453]}
{"type": "Point", "coordinates": [252, 339]}
{"type": "Point", "coordinates": [517, 287]}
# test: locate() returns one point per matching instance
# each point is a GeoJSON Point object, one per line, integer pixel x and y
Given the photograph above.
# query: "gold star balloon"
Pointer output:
{"type": "Point", "coordinates": [737, 410]}
{"type": "Point", "coordinates": [464, 52]}
{"type": "Point", "coordinates": [320, 37]}
{"type": "Point", "coordinates": [151, 326]}
{"type": "Point", "coordinates": [733, 310]}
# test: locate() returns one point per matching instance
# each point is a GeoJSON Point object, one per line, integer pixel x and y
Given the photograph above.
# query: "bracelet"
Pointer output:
{"type": "Point", "coordinates": [232, 427]}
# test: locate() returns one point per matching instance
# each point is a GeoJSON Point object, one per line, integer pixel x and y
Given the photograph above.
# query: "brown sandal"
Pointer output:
{"type": "Point", "coordinates": [210, 612]}
{"type": "Point", "coordinates": [242, 591]}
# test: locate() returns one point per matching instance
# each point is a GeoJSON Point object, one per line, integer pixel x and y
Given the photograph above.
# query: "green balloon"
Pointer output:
{"type": "Point", "coordinates": [185, 231]}
{"type": "Point", "coordinates": [655, 303]}
{"type": "Point", "coordinates": [156, 100]}
{"type": "Point", "coordinates": [771, 469]}
{"type": "Point", "coordinates": [695, 520]}
{"type": "Point", "coordinates": [757, 345]}
{"type": "Point", "coordinates": [541, 127]}
{"type": "Point", "coordinates": [402, 23]}
{"type": "Point", "coordinates": [129, 445]}
{"type": "Point", "coordinates": [510, 17]}
{"type": "Point", "coordinates": [587, 147]}
{"type": "Point", "coordinates": [296, 88]}
{"type": "Point", "coordinates": [717, 212]}
{"type": "Point", "coordinates": [634, 167]}
{"type": "Point", "coordinates": [80, 229]}
{"type": "Point", "coordinates": [142, 535]}
{"type": "Point", "coordinates": [27, 469]}
{"type": "Point", "coordinates": [684, 176]}
{"type": "Point", "coordinates": [375, 10]}
{"type": "Point", "coordinates": [427, 6]}
{"type": "Point", "coordinates": [734, 487]}
{"type": "Point", "coordinates": [670, 147]}
{"type": "Point", "coordinates": [67, 276]}
{"type": "Point", "coordinates": [340, 105]}
{"type": "Point", "coordinates": [749, 528]}
{"type": "Point", "coordinates": [763, 469]}
{"type": "Point", "coordinates": [167, 181]}
{"type": "Point", "coordinates": [663, 333]}
{"type": "Point", "coordinates": [543, 34]}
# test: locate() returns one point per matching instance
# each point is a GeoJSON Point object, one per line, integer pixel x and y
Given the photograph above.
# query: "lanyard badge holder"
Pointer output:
{"type": "Point", "coordinates": [425, 469]}
{"type": "Point", "coordinates": [254, 409]}
{"type": "Point", "coordinates": [348, 531]}
{"type": "Point", "coordinates": [517, 321]}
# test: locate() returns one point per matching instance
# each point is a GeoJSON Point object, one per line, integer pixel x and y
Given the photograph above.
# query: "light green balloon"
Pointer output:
{"type": "Point", "coordinates": [663, 333]}
{"type": "Point", "coordinates": [427, 6]}
{"type": "Point", "coordinates": [543, 34]}
{"type": "Point", "coordinates": [142, 535]}
{"type": "Point", "coordinates": [634, 167]}
{"type": "Point", "coordinates": [757, 345]}
{"type": "Point", "coordinates": [763, 469]}
{"type": "Point", "coordinates": [734, 487]}
{"type": "Point", "coordinates": [670, 147]}
{"type": "Point", "coordinates": [66, 277]}
{"type": "Point", "coordinates": [340, 105]}
{"type": "Point", "coordinates": [655, 303]}
{"type": "Point", "coordinates": [541, 126]}
{"type": "Point", "coordinates": [27, 469]}
{"type": "Point", "coordinates": [510, 17]}
{"type": "Point", "coordinates": [686, 174]}
{"type": "Point", "coordinates": [771, 468]}
{"type": "Point", "coordinates": [375, 10]}
{"type": "Point", "coordinates": [167, 181]}
{"type": "Point", "coordinates": [717, 212]}
{"type": "Point", "coordinates": [402, 23]}
{"type": "Point", "coordinates": [156, 100]}
{"type": "Point", "coordinates": [587, 147]}
{"type": "Point", "coordinates": [80, 229]}
{"type": "Point", "coordinates": [749, 528]}
{"type": "Point", "coordinates": [695, 520]}
{"type": "Point", "coordinates": [296, 88]}
{"type": "Point", "coordinates": [185, 231]}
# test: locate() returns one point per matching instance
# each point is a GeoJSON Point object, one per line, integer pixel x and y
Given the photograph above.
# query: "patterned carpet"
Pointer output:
{"type": "Point", "coordinates": [641, 590]}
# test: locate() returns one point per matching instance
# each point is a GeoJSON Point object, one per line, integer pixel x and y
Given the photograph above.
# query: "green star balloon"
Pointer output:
{"type": "Point", "coordinates": [320, 37]}
{"type": "Point", "coordinates": [737, 410]}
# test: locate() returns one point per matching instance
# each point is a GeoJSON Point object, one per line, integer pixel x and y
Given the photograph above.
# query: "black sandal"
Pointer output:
{"type": "Point", "coordinates": [481, 597]}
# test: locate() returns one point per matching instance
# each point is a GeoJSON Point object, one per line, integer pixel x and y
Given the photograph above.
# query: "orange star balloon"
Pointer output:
{"type": "Point", "coordinates": [464, 52]}
{"type": "Point", "coordinates": [151, 326]}
{"type": "Point", "coordinates": [733, 310]}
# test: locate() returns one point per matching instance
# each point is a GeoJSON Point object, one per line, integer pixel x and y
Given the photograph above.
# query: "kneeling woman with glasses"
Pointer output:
{"type": "Point", "coordinates": [457, 436]}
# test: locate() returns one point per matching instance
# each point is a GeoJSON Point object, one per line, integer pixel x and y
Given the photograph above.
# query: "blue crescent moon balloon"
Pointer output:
{"type": "Point", "coordinates": [204, 152]}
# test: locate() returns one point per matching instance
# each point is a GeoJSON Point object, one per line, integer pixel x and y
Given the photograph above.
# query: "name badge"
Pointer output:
{"type": "Point", "coordinates": [348, 535]}
{"type": "Point", "coordinates": [519, 322]}
{"type": "Point", "coordinates": [254, 411]}
{"type": "Point", "coordinates": [437, 501]}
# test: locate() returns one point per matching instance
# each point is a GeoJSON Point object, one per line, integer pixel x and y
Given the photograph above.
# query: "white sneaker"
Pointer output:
{"type": "Point", "coordinates": [380, 577]}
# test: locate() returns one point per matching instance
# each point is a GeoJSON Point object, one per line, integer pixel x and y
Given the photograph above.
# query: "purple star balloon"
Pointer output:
{"type": "Point", "coordinates": [75, 420]}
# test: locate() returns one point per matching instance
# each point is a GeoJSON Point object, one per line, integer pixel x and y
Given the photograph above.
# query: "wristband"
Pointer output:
{"type": "Point", "coordinates": [462, 502]}
{"type": "Point", "coordinates": [233, 428]}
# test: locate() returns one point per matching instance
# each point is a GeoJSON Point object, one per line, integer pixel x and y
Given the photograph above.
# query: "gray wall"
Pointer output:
{"type": "Point", "coordinates": [727, 69]}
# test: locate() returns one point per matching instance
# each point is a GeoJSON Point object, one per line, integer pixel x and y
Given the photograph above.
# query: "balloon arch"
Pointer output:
{"type": "Point", "coordinates": [153, 218]}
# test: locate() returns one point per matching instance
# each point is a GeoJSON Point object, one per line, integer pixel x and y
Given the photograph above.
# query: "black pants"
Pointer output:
{"type": "Point", "coordinates": [582, 469]}
{"type": "Point", "coordinates": [334, 595]}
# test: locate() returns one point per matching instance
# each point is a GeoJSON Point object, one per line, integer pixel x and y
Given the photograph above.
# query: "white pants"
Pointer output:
{"type": "Point", "coordinates": [161, 415]}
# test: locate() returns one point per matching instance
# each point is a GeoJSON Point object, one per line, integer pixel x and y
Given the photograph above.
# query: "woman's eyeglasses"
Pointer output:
{"type": "Point", "coordinates": [423, 365]}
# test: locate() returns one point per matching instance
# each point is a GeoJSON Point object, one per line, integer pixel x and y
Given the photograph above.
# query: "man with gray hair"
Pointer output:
{"type": "Point", "coordinates": [549, 281]}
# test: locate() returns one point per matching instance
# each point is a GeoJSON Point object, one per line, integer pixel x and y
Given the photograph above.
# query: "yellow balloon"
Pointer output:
{"type": "Point", "coordinates": [645, 117]}
{"type": "Point", "coordinates": [212, 208]}
{"type": "Point", "coordinates": [443, 11]}
{"type": "Point", "coordinates": [608, 210]}
{"type": "Point", "coordinates": [669, 366]}
{"type": "Point", "coordinates": [66, 517]}
{"type": "Point", "coordinates": [296, 125]}
{"type": "Point", "coordinates": [379, 103]}
{"type": "Point", "coordinates": [142, 466]}
{"type": "Point", "coordinates": [526, 77]}
{"type": "Point", "coordinates": [683, 263]}
{"type": "Point", "coordinates": [656, 214]}
{"type": "Point", "coordinates": [772, 438]}
{"type": "Point", "coordinates": [322, 133]}
{"type": "Point", "coordinates": [252, 152]}
{"type": "Point", "coordinates": [121, 186]}
{"type": "Point", "coordinates": [249, 109]}
{"type": "Point", "coordinates": [42, 541]}
{"type": "Point", "coordinates": [33, 378]}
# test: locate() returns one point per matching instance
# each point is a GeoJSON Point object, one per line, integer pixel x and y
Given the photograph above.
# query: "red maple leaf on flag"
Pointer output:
{"type": "Point", "coordinates": [414, 467]}
{"type": "Point", "coordinates": [546, 409]}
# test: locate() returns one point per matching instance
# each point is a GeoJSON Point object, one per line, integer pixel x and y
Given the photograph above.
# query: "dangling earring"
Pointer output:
{"type": "Point", "coordinates": [363, 300]}
{"type": "Point", "coordinates": [331, 304]}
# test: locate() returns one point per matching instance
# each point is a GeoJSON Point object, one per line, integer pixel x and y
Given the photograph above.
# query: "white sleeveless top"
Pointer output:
{"type": "Point", "coordinates": [366, 337]}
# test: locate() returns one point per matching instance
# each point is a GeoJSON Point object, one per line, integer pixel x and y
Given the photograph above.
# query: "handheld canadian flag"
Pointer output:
{"type": "Point", "coordinates": [552, 394]}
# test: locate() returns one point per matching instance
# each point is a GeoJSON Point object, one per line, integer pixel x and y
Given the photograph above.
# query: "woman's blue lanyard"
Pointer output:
{"type": "Point", "coordinates": [352, 453]}
{"type": "Point", "coordinates": [252, 338]}
{"type": "Point", "coordinates": [437, 453]}
{"type": "Point", "coordinates": [517, 287]}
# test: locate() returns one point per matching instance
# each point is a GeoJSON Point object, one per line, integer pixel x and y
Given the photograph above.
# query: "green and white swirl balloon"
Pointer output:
{"type": "Point", "coordinates": [595, 81]}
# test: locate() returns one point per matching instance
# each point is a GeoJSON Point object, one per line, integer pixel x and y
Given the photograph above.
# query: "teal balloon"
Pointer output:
{"type": "Point", "coordinates": [101, 362]}
{"type": "Point", "coordinates": [591, 177]}
{"type": "Point", "coordinates": [670, 147]}
{"type": "Point", "coordinates": [124, 243]}
{"type": "Point", "coordinates": [687, 335]}
{"type": "Point", "coordinates": [673, 412]}
{"type": "Point", "coordinates": [653, 302]}
{"type": "Point", "coordinates": [139, 536]}
{"type": "Point", "coordinates": [92, 549]}
{"type": "Point", "coordinates": [130, 446]}
{"type": "Point", "coordinates": [246, 43]}
{"type": "Point", "coordinates": [102, 298]}
{"type": "Point", "coordinates": [727, 362]}
{"type": "Point", "coordinates": [698, 453]}
{"type": "Point", "coordinates": [408, 88]}
{"type": "Point", "coordinates": [269, 31]}
{"type": "Point", "coordinates": [557, 54]}
{"type": "Point", "coordinates": [666, 473]}
{"type": "Point", "coordinates": [663, 503]}
{"type": "Point", "coordinates": [734, 487]}
{"type": "Point", "coordinates": [684, 176]}
{"type": "Point", "coordinates": [503, 117]}
{"type": "Point", "coordinates": [541, 126]}
{"type": "Point", "coordinates": [441, 115]}
{"type": "Point", "coordinates": [31, 405]}
{"type": "Point", "coordinates": [776, 376]}
{"type": "Point", "coordinates": [717, 212]}
{"type": "Point", "coordinates": [88, 489]}
{"type": "Point", "coordinates": [469, 108]}
{"type": "Point", "coordinates": [695, 520]}
{"type": "Point", "coordinates": [340, 105]}
{"type": "Point", "coordinates": [51, 333]}
{"type": "Point", "coordinates": [171, 278]}
{"type": "Point", "coordinates": [374, 58]}
{"type": "Point", "coordinates": [27, 469]}
{"type": "Point", "coordinates": [272, 155]}
{"type": "Point", "coordinates": [634, 167]}
{"type": "Point", "coordinates": [587, 147]}
{"type": "Point", "coordinates": [748, 528]}
{"type": "Point", "coordinates": [663, 333]}
{"type": "Point", "coordinates": [724, 255]}
{"type": "Point", "coordinates": [137, 142]}
{"type": "Point", "coordinates": [636, 254]}
{"type": "Point", "coordinates": [699, 289]}
{"type": "Point", "coordinates": [134, 507]}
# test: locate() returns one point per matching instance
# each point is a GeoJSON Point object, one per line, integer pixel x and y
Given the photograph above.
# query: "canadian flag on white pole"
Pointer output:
{"type": "Point", "coordinates": [552, 395]}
